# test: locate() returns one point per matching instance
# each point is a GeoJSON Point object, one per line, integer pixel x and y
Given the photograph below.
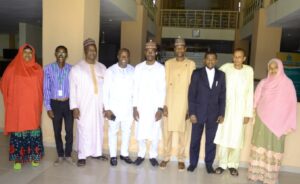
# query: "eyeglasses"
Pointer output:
{"type": "Point", "coordinates": [61, 53]}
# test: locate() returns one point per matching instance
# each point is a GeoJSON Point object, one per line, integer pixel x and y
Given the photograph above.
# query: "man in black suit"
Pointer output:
{"type": "Point", "coordinates": [206, 98]}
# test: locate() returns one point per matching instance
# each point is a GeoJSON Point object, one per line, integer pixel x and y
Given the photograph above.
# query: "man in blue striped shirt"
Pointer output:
{"type": "Point", "coordinates": [56, 100]}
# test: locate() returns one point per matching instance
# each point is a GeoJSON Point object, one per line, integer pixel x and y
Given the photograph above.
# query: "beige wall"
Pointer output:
{"type": "Point", "coordinates": [68, 24]}
{"type": "Point", "coordinates": [265, 44]}
{"type": "Point", "coordinates": [133, 35]}
{"type": "Point", "coordinates": [241, 43]}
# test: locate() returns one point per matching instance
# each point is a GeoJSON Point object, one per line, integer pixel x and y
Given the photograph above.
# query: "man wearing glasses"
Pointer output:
{"type": "Point", "coordinates": [56, 100]}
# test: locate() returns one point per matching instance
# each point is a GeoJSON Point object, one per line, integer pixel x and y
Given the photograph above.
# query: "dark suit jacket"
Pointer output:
{"type": "Point", "coordinates": [207, 104]}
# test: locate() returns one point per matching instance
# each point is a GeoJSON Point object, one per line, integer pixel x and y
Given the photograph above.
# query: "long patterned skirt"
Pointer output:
{"type": "Point", "coordinates": [266, 154]}
{"type": "Point", "coordinates": [26, 146]}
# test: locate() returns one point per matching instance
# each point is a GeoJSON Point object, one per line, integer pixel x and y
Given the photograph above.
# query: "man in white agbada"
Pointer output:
{"type": "Point", "coordinates": [86, 85]}
{"type": "Point", "coordinates": [148, 102]}
{"type": "Point", "coordinates": [117, 98]}
{"type": "Point", "coordinates": [238, 111]}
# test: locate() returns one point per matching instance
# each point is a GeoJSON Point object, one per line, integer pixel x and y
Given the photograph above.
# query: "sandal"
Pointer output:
{"type": "Point", "coordinates": [17, 166]}
{"type": "Point", "coordinates": [102, 157]}
{"type": "Point", "coordinates": [219, 170]}
{"type": "Point", "coordinates": [233, 171]}
{"type": "Point", "coordinates": [35, 164]}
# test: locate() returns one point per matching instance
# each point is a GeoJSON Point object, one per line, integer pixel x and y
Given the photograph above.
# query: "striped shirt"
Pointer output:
{"type": "Point", "coordinates": [56, 83]}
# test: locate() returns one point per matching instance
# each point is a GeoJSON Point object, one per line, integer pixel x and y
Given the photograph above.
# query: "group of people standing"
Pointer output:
{"type": "Point", "coordinates": [221, 101]}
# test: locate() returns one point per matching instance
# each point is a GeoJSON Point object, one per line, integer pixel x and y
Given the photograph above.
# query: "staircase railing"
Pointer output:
{"type": "Point", "coordinates": [213, 19]}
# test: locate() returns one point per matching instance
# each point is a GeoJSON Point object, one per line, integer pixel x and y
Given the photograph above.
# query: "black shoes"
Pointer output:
{"type": "Point", "coordinates": [81, 162]}
{"type": "Point", "coordinates": [113, 161]}
{"type": "Point", "coordinates": [127, 159]}
{"type": "Point", "coordinates": [210, 169]}
{"type": "Point", "coordinates": [138, 161]}
{"type": "Point", "coordinates": [153, 162]}
{"type": "Point", "coordinates": [191, 168]}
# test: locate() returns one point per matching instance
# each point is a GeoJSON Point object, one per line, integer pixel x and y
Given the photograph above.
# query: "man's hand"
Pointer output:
{"type": "Point", "coordinates": [246, 120]}
{"type": "Point", "coordinates": [50, 114]}
{"type": "Point", "coordinates": [193, 119]}
{"type": "Point", "coordinates": [108, 114]}
{"type": "Point", "coordinates": [136, 115]}
{"type": "Point", "coordinates": [76, 113]}
{"type": "Point", "coordinates": [220, 119]}
{"type": "Point", "coordinates": [165, 111]}
{"type": "Point", "coordinates": [158, 115]}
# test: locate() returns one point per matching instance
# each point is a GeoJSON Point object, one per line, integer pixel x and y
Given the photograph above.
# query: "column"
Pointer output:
{"type": "Point", "coordinates": [67, 23]}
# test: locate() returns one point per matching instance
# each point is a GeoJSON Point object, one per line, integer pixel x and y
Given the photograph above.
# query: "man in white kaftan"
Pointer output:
{"type": "Point", "coordinates": [148, 101]}
{"type": "Point", "coordinates": [117, 98]}
{"type": "Point", "coordinates": [86, 86]}
{"type": "Point", "coordinates": [238, 111]}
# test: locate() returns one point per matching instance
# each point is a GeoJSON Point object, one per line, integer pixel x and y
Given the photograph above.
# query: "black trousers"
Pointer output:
{"type": "Point", "coordinates": [62, 112]}
{"type": "Point", "coordinates": [210, 146]}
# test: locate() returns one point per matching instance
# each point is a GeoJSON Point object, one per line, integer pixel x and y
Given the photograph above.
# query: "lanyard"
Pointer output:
{"type": "Point", "coordinates": [61, 74]}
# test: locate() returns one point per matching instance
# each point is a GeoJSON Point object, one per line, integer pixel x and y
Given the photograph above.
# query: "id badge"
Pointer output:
{"type": "Point", "coordinates": [60, 93]}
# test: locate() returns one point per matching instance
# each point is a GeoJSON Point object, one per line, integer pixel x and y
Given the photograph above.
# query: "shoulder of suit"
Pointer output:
{"type": "Point", "coordinates": [199, 70]}
{"type": "Point", "coordinates": [219, 71]}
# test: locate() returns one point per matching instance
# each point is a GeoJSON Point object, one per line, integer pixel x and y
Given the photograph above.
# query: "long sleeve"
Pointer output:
{"type": "Point", "coordinates": [222, 97]}
{"type": "Point", "coordinates": [47, 88]}
{"type": "Point", "coordinates": [106, 89]}
{"type": "Point", "coordinates": [135, 88]}
{"type": "Point", "coordinates": [73, 88]}
{"type": "Point", "coordinates": [167, 76]}
{"type": "Point", "coordinates": [162, 88]}
{"type": "Point", "coordinates": [192, 94]}
{"type": "Point", "coordinates": [249, 95]}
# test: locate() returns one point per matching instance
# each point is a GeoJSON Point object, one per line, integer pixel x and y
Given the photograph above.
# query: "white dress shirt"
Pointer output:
{"type": "Point", "coordinates": [210, 76]}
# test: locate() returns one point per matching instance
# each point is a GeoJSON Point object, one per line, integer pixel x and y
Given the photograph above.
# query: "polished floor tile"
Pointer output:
{"type": "Point", "coordinates": [97, 171]}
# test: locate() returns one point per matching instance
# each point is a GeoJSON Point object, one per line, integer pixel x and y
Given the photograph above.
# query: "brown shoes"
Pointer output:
{"type": "Point", "coordinates": [58, 161]}
{"type": "Point", "coordinates": [181, 166]}
{"type": "Point", "coordinates": [163, 164]}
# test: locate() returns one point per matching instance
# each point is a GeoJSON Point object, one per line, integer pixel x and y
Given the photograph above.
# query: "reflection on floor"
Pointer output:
{"type": "Point", "coordinates": [97, 171]}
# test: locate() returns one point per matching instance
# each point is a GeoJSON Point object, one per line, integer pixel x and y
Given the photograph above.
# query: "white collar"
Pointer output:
{"type": "Point", "coordinates": [210, 70]}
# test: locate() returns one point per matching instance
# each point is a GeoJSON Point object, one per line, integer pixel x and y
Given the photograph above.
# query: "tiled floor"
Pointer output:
{"type": "Point", "coordinates": [97, 171]}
